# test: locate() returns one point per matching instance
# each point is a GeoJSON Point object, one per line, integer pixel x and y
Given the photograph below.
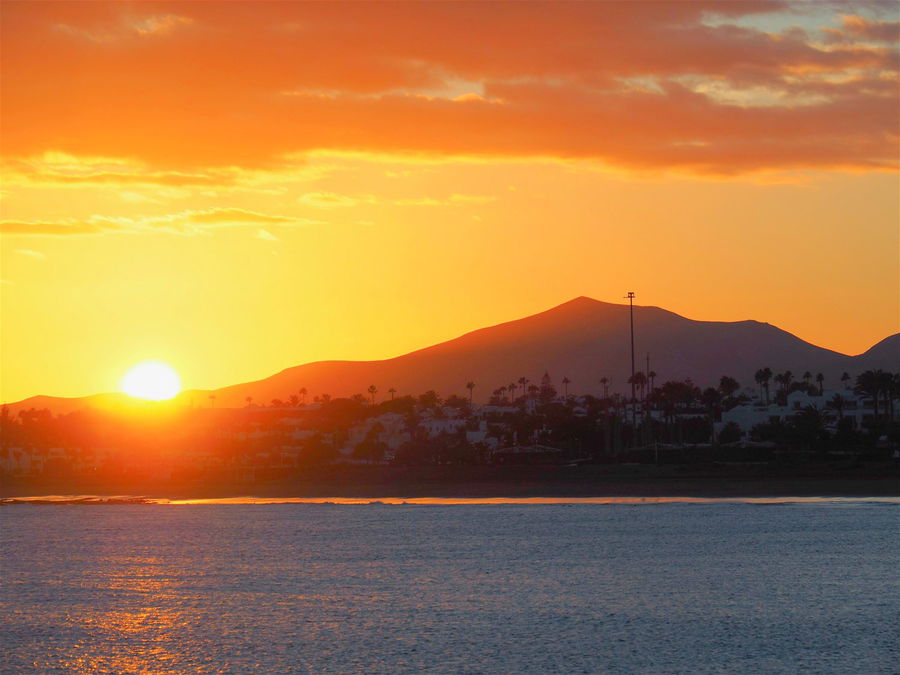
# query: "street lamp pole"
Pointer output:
{"type": "Point", "coordinates": [630, 297]}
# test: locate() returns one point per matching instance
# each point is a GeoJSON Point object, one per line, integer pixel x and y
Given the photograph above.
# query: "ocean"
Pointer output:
{"type": "Point", "coordinates": [452, 586]}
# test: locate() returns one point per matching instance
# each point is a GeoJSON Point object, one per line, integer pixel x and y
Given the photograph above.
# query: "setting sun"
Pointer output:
{"type": "Point", "coordinates": [152, 380]}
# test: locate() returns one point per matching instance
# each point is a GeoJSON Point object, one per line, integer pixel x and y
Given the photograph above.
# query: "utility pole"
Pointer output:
{"type": "Point", "coordinates": [649, 413]}
{"type": "Point", "coordinates": [630, 297]}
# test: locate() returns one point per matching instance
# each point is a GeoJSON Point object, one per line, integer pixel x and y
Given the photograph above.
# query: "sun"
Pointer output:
{"type": "Point", "coordinates": [151, 380]}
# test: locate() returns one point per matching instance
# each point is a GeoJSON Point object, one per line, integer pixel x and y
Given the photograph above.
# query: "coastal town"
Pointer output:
{"type": "Point", "coordinates": [781, 418]}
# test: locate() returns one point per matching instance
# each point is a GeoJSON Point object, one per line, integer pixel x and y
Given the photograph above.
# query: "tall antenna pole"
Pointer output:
{"type": "Point", "coordinates": [630, 297]}
{"type": "Point", "coordinates": [647, 384]}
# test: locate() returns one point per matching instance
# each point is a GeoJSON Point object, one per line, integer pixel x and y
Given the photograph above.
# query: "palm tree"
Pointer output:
{"type": "Point", "coordinates": [372, 391]}
{"type": "Point", "coordinates": [392, 391]}
{"type": "Point", "coordinates": [766, 376]}
{"type": "Point", "coordinates": [837, 402]}
{"type": "Point", "coordinates": [786, 378]}
{"type": "Point", "coordinates": [807, 376]}
{"type": "Point", "coordinates": [302, 393]}
{"type": "Point", "coordinates": [471, 387]}
{"type": "Point", "coordinates": [893, 389]}
{"type": "Point", "coordinates": [888, 389]}
{"type": "Point", "coordinates": [779, 380]}
{"type": "Point", "coordinates": [845, 380]}
{"type": "Point", "coordinates": [212, 400]}
{"type": "Point", "coordinates": [566, 382]}
{"type": "Point", "coordinates": [711, 399]}
{"type": "Point", "coordinates": [523, 381]}
{"type": "Point", "coordinates": [639, 380]}
{"type": "Point", "coordinates": [759, 376]}
{"type": "Point", "coordinates": [869, 384]}
{"type": "Point", "coordinates": [605, 382]}
{"type": "Point", "coordinates": [820, 380]}
{"type": "Point", "coordinates": [728, 385]}
{"type": "Point", "coordinates": [249, 400]}
{"type": "Point", "coordinates": [511, 388]}
{"type": "Point", "coordinates": [652, 377]}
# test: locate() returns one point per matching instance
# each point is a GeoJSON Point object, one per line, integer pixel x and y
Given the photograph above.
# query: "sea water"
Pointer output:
{"type": "Point", "coordinates": [685, 587]}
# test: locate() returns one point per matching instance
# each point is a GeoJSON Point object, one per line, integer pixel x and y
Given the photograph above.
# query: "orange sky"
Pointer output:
{"type": "Point", "coordinates": [240, 187]}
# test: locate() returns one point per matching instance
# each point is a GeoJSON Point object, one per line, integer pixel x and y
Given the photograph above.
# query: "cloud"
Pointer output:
{"type": "Point", "coordinates": [53, 168]}
{"type": "Point", "coordinates": [701, 86]}
{"type": "Point", "coordinates": [160, 24]}
{"type": "Point", "coordinates": [265, 235]}
{"type": "Point", "coordinates": [185, 223]}
{"type": "Point", "coordinates": [470, 199]}
{"type": "Point", "coordinates": [113, 29]}
{"type": "Point", "coordinates": [29, 253]}
{"type": "Point", "coordinates": [330, 200]}
{"type": "Point", "coordinates": [50, 229]}
{"type": "Point", "coordinates": [454, 199]}
{"type": "Point", "coordinates": [858, 28]}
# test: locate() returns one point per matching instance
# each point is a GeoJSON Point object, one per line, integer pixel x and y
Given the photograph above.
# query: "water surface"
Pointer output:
{"type": "Point", "coordinates": [703, 586]}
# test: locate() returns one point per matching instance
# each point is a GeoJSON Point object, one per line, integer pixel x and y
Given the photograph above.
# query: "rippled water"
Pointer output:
{"type": "Point", "coordinates": [666, 587]}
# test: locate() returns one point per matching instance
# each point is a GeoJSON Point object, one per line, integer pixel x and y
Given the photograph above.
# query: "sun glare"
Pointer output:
{"type": "Point", "coordinates": [152, 380]}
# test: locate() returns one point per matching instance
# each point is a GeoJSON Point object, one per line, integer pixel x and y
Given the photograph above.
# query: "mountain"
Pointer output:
{"type": "Point", "coordinates": [583, 339]}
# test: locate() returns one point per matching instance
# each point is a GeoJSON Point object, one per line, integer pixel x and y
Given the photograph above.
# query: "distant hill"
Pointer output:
{"type": "Point", "coordinates": [583, 339]}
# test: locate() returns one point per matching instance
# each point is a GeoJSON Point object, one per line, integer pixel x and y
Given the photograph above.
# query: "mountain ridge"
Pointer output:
{"type": "Point", "coordinates": [582, 339]}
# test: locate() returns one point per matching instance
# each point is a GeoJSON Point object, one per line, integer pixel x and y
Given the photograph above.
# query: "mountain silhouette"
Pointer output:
{"type": "Point", "coordinates": [583, 340]}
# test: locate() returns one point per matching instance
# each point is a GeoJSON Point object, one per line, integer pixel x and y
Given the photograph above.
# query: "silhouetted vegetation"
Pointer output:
{"type": "Point", "coordinates": [675, 422]}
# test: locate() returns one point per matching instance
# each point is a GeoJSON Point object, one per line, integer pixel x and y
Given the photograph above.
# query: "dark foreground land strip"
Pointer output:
{"type": "Point", "coordinates": [534, 481]}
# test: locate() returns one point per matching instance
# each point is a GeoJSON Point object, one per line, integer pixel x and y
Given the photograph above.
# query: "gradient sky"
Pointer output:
{"type": "Point", "coordinates": [239, 187]}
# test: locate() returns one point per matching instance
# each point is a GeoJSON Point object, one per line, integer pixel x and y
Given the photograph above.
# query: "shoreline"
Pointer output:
{"type": "Point", "coordinates": [485, 482]}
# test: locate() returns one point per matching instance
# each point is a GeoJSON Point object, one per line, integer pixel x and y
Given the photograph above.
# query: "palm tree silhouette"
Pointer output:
{"type": "Point", "coordinates": [392, 391]}
{"type": "Point", "coordinates": [837, 402]}
{"type": "Point", "coordinates": [212, 400]}
{"type": "Point", "coordinates": [820, 380]}
{"type": "Point", "coordinates": [605, 382]}
{"type": "Point", "coordinates": [869, 384]}
{"type": "Point", "coordinates": [639, 380]}
{"type": "Point", "coordinates": [249, 400]}
{"type": "Point", "coordinates": [372, 391]}
{"type": "Point", "coordinates": [785, 380]}
{"type": "Point", "coordinates": [888, 388]}
{"type": "Point", "coordinates": [766, 376]}
{"type": "Point", "coordinates": [566, 382]}
{"type": "Point", "coordinates": [779, 380]}
{"type": "Point", "coordinates": [845, 380]}
{"type": "Point", "coordinates": [471, 387]}
{"type": "Point", "coordinates": [758, 377]}
{"type": "Point", "coordinates": [302, 393]}
{"type": "Point", "coordinates": [523, 381]}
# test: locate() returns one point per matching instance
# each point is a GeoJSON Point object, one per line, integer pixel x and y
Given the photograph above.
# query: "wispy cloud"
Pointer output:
{"type": "Point", "coordinates": [61, 169]}
{"type": "Point", "coordinates": [185, 223]}
{"type": "Point", "coordinates": [265, 235]}
{"type": "Point", "coordinates": [331, 200]}
{"type": "Point", "coordinates": [452, 200]}
{"type": "Point", "coordinates": [160, 24]}
{"type": "Point", "coordinates": [119, 29]}
{"type": "Point", "coordinates": [29, 253]}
